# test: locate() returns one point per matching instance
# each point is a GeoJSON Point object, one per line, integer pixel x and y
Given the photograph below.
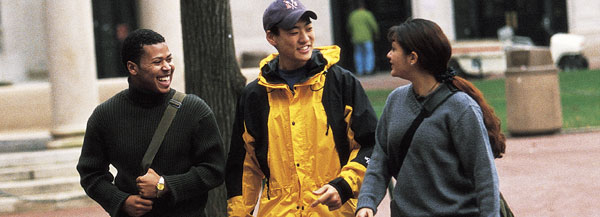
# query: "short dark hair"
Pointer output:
{"type": "Point", "coordinates": [133, 45]}
{"type": "Point", "coordinates": [425, 38]}
{"type": "Point", "coordinates": [274, 30]}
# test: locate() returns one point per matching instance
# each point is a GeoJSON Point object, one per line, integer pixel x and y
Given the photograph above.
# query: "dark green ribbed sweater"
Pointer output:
{"type": "Point", "coordinates": [191, 157]}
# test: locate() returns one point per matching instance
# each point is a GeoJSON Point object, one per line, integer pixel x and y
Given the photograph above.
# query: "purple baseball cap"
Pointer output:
{"type": "Point", "coordinates": [285, 14]}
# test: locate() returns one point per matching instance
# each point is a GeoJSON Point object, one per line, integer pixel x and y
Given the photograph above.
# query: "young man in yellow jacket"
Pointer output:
{"type": "Point", "coordinates": [304, 129]}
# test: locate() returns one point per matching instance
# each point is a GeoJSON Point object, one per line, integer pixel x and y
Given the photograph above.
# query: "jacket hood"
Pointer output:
{"type": "Point", "coordinates": [322, 58]}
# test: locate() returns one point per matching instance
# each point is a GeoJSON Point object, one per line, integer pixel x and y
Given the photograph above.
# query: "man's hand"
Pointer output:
{"type": "Point", "coordinates": [136, 206]}
{"type": "Point", "coordinates": [329, 197]}
{"type": "Point", "coordinates": [147, 184]}
{"type": "Point", "coordinates": [364, 212]}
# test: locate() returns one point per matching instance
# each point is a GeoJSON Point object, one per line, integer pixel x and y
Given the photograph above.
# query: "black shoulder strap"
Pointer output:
{"type": "Point", "coordinates": [161, 130]}
{"type": "Point", "coordinates": [447, 90]}
{"type": "Point", "coordinates": [431, 104]}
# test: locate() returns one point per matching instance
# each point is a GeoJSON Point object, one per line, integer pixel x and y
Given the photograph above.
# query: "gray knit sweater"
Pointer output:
{"type": "Point", "coordinates": [191, 157]}
{"type": "Point", "coordinates": [449, 169]}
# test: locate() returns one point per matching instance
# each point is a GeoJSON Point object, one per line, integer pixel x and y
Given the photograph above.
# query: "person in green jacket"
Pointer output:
{"type": "Point", "coordinates": [362, 27]}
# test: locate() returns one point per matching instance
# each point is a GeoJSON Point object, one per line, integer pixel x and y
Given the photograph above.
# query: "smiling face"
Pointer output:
{"type": "Point", "coordinates": [295, 45]}
{"type": "Point", "coordinates": [155, 70]}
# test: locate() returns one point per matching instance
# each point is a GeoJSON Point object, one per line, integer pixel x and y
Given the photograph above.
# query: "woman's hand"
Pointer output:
{"type": "Point", "coordinates": [364, 212]}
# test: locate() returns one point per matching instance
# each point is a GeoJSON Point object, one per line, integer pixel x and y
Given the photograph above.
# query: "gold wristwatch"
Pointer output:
{"type": "Point", "coordinates": [160, 186]}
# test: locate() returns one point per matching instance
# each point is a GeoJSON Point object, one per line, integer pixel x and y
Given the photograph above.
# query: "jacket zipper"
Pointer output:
{"type": "Point", "coordinates": [268, 188]}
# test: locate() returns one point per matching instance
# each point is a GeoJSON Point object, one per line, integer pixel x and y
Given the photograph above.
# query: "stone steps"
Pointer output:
{"type": "Point", "coordinates": [46, 185]}
{"type": "Point", "coordinates": [43, 157]}
{"type": "Point", "coordinates": [29, 172]}
{"type": "Point", "coordinates": [40, 181]}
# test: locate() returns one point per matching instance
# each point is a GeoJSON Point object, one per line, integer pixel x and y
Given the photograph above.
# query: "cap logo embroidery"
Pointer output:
{"type": "Point", "coordinates": [290, 4]}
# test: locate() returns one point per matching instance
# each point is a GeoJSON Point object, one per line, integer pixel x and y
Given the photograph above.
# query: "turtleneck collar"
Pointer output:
{"type": "Point", "coordinates": [145, 97]}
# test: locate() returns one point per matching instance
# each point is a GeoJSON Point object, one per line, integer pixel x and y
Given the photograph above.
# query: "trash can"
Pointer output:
{"type": "Point", "coordinates": [532, 92]}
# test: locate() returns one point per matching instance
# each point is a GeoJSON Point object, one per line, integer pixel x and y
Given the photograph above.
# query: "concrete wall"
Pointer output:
{"type": "Point", "coordinates": [27, 107]}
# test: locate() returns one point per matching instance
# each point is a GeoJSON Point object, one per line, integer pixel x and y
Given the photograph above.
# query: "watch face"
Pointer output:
{"type": "Point", "coordinates": [161, 184]}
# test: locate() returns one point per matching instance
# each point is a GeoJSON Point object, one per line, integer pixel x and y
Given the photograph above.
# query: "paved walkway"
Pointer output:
{"type": "Point", "coordinates": [94, 211]}
{"type": "Point", "coordinates": [381, 80]}
{"type": "Point", "coordinates": [553, 175]}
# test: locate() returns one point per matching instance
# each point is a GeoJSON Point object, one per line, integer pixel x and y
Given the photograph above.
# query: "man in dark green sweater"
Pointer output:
{"type": "Point", "coordinates": [190, 161]}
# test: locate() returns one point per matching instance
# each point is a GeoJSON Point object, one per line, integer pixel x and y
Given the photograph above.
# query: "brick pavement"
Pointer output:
{"type": "Point", "coordinates": [555, 175]}
{"type": "Point", "coordinates": [94, 211]}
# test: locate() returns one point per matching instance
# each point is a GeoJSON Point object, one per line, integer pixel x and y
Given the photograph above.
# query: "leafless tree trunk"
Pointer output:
{"type": "Point", "coordinates": [212, 71]}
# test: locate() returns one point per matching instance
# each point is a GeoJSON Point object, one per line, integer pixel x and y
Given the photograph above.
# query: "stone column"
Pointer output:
{"type": "Point", "coordinates": [438, 11]}
{"type": "Point", "coordinates": [165, 18]}
{"type": "Point", "coordinates": [71, 65]}
{"type": "Point", "coordinates": [23, 48]}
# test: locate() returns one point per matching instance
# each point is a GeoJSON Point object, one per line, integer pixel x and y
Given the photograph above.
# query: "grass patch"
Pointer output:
{"type": "Point", "coordinates": [579, 93]}
{"type": "Point", "coordinates": [378, 98]}
{"type": "Point", "coordinates": [580, 98]}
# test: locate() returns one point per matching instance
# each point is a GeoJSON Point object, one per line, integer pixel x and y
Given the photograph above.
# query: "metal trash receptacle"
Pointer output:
{"type": "Point", "coordinates": [532, 92]}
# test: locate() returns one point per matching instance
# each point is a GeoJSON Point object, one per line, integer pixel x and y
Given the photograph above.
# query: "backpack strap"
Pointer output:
{"type": "Point", "coordinates": [446, 91]}
{"type": "Point", "coordinates": [161, 130]}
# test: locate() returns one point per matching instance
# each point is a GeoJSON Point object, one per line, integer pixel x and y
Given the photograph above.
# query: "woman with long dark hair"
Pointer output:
{"type": "Point", "coordinates": [447, 169]}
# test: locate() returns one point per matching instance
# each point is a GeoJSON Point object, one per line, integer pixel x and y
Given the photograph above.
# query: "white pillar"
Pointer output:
{"type": "Point", "coordinates": [164, 17]}
{"type": "Point", "coordinates": [438, 11]}
{"type": "Point", "coordinates": [23, 49]}
{"type": "Point", "coordinates": [71, 65]}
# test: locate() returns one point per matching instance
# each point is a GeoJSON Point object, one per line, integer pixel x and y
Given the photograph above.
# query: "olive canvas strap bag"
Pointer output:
{"type": "Point", "coordinates": [161, 130]}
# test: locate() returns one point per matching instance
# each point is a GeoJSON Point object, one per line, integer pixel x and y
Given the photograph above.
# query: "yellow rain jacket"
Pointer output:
{"type": "Point", "coordinates": [286, 144]}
